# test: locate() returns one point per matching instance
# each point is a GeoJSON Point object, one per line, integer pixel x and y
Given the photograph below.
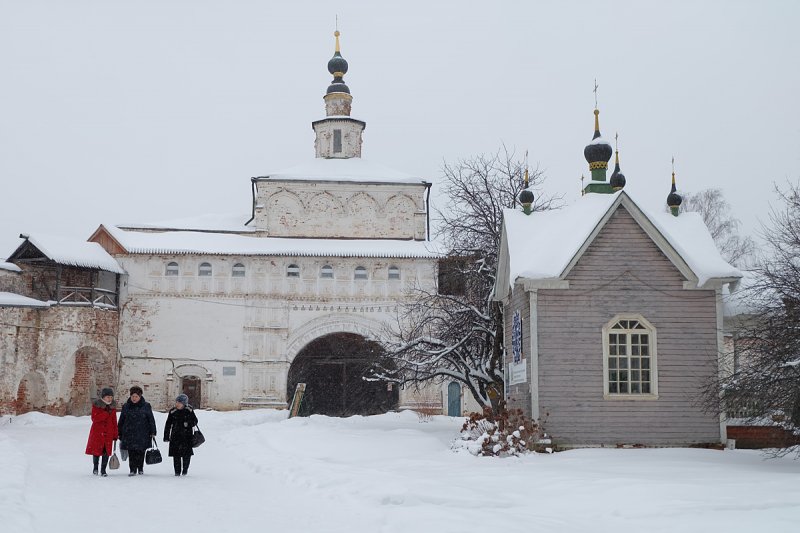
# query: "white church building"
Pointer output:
{"type": "Point", "coordinates": [236, 312]}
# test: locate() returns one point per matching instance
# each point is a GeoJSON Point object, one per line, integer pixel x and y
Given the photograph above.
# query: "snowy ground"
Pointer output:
{"type": "Point", "coordinates": [387, 473]}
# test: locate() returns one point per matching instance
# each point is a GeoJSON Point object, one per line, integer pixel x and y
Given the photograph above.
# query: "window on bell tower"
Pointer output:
{"type": "Point", "coordinates": [337, 141]}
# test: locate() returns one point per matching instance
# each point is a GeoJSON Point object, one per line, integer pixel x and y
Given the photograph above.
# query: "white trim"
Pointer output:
{"type": "Point", "coordinates": [502, 285]}
{"type": "Point", "coordinates": [533, 304]}
{"type": "Point", "coordinates": [722, 364]}
{"type": "Point", "coordinates": [546, 283]}
{"type": "Point", "coordinates": [651, 331]}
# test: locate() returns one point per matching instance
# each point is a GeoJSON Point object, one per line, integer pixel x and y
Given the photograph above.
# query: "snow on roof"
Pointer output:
{"type": "Point", "coordinates": [184, 242]}
{"type": "Point", "coordinates": [600, 140]}
{"type": "Point", "coordinates": [542, 245]}
{"type": "Point", "coordinates": [206, 222]}
{"type": "Point", "coordinates": [9, 266]}
{"type": "Point", "coordinates": [741, 301]}
{"type": "Point", "coordinates": [352, 169]}
{"type": "Point", "coordinates": [10, 299]}
{"type": "Point", "coordinates": [74, 252]}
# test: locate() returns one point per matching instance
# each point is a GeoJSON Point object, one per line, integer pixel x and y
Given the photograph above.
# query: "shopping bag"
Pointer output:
{"type": "Point", "coordinates": [153, 455]}
{"type": "Point", "coordinates": [197, 437]}
{"type": "Point", "coordinates": [113, 462]}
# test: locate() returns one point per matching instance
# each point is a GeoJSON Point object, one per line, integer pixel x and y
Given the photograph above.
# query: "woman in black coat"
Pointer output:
{"type": "Point", "coordinates": [137, 429]}
{"type": "Point", "coordinates": [178, 432]}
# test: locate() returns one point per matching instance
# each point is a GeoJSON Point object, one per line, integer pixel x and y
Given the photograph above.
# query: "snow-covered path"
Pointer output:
{"type": "Point", "coordinates": [387, 473]}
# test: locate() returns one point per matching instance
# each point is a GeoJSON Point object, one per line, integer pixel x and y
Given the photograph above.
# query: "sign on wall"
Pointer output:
{"type": "Point", "coordinates": [516, 337]}
{"type": "Point", "coordinates": [518, 373]}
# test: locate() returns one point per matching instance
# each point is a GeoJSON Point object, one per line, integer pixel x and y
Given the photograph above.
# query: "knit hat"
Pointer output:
{"type": "Point", "coordinates": [136, 390]}
{"type": "Point", "coordinates": [182, 398]}
{"type": "Point", "coordinates": [106, 392]}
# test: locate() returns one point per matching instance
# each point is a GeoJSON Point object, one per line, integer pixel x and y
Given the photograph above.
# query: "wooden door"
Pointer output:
{"type": "Point", "coordinates": [191, 388]}
{"type": "Point", "coordinates": [454, 399]}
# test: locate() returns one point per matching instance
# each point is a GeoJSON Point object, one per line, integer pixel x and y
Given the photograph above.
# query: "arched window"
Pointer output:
{"type": "Point", "coordinates": [326, 272]}
{"type": "Point", "coordinates": [205, 269]}
{"type": "Point", "coordinates": [238, 270]}
{"type": "Point", "coordinates": [629, 358]}
{"type": "Point", "coordinates": [172, 269]}
{"type": "Point", "coordinates": [394, 272]}
{"type": "Point", "coordinates": [293, 271]}
{"type": "Point", "coordinates": [360, 273]}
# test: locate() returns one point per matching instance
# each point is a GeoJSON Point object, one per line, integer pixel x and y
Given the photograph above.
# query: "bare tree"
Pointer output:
{"type": "Point", "coordinates": [455, 331]}
{"type": "Point", "coordinates": [724, 228]}
{"type": "Point", "coordinates": [765, 379]}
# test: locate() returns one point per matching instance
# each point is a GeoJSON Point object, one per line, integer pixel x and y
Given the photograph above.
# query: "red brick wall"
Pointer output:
{"type": "Point", "coordinates": [756, 437]}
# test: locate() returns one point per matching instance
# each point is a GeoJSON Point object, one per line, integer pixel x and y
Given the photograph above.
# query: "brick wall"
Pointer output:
{"type": "Point", "coordinates": [756, 437]}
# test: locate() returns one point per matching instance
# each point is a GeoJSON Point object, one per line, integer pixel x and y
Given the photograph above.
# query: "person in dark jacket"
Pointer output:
{"type": "Point", "coordinates": [137, 429]}
{"type": "Point", "coordinates": [103, 433]}
{"type": "Point", "coordinates": [178, 432]}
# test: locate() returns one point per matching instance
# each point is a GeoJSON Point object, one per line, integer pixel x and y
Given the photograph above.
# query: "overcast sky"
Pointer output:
{"type": "Point", "coordinates": [139, 111]}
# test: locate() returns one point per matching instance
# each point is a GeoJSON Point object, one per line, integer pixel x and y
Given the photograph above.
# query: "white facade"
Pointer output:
{"type": "Point", "coordinates": [332, 247]}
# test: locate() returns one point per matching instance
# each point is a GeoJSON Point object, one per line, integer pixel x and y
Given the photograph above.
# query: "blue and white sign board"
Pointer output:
{"type": "Point", "coordinates": [516, 337]}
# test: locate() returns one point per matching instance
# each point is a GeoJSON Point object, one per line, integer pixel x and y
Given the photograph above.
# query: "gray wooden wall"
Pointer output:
{"type": "Point", "coordinates": [623, 271]}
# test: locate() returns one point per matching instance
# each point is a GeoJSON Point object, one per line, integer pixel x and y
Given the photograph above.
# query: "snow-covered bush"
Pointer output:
{"type": "Point", "coordinates": [509, 432]}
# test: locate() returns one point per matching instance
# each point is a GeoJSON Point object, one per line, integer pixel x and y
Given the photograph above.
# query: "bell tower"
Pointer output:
{"type": "Point", "coordinates": [338, 135]}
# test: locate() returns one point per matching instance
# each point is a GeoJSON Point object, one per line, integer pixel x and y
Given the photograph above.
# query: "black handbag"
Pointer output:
{"type": "Point", "coordinates": [197, 437]}
{"type": "Point", "coordinates": [153, 455]}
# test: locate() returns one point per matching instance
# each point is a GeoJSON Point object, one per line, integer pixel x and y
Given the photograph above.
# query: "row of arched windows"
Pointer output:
{"type": "Point", "coordinates": [292, 271]}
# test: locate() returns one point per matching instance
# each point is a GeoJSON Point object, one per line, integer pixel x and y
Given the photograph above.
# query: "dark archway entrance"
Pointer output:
{"type": "Point", "coordinates": [332, 367]}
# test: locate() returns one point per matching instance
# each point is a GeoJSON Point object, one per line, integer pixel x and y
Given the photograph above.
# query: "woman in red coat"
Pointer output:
{"type": "Point", "coordinates": [104, 430]}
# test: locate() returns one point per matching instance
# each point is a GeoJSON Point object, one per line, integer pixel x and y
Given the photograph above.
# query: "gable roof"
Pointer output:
{"type": "Point", "coordinates": [69, 252]}
{"type": "Point", "coordinates": [226, 243]}
{"type": "Point", "coordinates": [547, 244]}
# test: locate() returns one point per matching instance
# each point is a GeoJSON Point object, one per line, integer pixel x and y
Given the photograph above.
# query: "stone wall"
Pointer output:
{"type": "Point", "coordinates": [55, 360]}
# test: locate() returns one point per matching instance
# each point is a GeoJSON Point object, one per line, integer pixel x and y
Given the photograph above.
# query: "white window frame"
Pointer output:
{"type": "Point", "coordinates": [238, 270]}
{"type": "Point", "coordinates": [172, 273]}
{"type": "Point", "coordinates": [652, 345]}
{"type": "Point", "coordinates": [394, 272]}
{"type": "Point", "coordinates": [293, 271]}
{"type": "Point", "coordinates": [326, 272]}
{"type": "Point", "coordinates": [200, 271]}
{"type": "Point", "coordinates": [358, 270]}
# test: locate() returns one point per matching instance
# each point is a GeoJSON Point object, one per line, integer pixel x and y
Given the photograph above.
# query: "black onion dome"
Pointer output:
{"type": "Point", "coordinates": [337, 65]}
{"type": "Point", "coordinates": [617, 180]}
{"type": "Point", "coordinates": [597, 151]}
{"type": "Point", "coordinates": [526, 196]}
{"type": "Point", "coordinates": [674, 199]}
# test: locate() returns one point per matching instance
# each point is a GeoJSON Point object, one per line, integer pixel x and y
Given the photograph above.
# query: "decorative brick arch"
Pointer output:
{"type": "Point", "coordinates": [325, 202]}
{"type": "Point", "coordinates": [363, 204]}
{"type": "Point", "coordinates": [333, 323]}
{"type": "Point", "coordinates": [284, 209]}
{"type": "Point", "coordinates": [31, 393]}
{"type": "Point", "coordinates": [401, 204]}
{"type": "Point", "coordinates": [91, 371]}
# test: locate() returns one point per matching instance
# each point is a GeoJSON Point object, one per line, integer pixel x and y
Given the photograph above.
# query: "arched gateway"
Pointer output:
{"type": "Point", "coordinates": [332, 367]}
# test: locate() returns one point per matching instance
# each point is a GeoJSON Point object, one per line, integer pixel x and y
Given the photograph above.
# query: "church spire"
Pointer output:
{"type": "Point", "coordinates": [338, 135]}
{"type": "Point", "coordinates": [597, 154]}
{"type": "Point", "coordinates": [674, 199]}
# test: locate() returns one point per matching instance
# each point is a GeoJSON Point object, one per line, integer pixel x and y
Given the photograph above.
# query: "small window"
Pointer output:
{"type": "Point", "coordinates": [172, 269]}
{"type": "Point", "coordinates": [326, 272]}
{"type": "Point", "coordinates": [394, 272]}
{"type": "Point", "coordinates": [361, 273]}
{"type": "Point", "coordinates": [238, 270]}
{"type": "Point", "coordinates": [293, 271]}
{"type": "Point", "coordinates": [205, 269]}
{"type": "Point", "coordinates": [337, 141]}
